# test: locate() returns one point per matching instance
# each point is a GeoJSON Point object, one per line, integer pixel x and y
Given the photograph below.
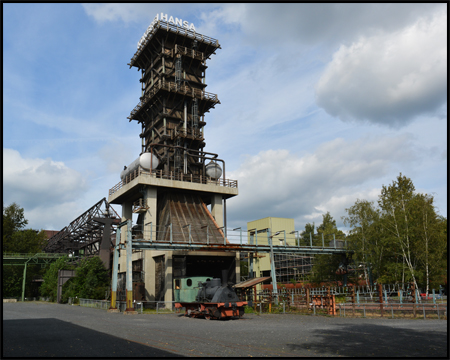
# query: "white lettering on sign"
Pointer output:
{"type": "Point", "coordinates": [176, 22]}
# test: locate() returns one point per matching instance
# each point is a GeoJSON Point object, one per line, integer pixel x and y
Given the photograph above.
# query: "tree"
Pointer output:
{"type": "Point", "coordinates": [15, 238]}
{"type": "Point", "coordinates": [403, 239]}
{"type": "Point", "coordinates": [396, 205]}
{"type": "Point", "coordinates": [364, 237]}
{"type": "Point", "coordinates": [49, 287]}
{"type": "Point", "coordinates": [92, 281]}
{"type": "Point", "coordinates": [325, 266]}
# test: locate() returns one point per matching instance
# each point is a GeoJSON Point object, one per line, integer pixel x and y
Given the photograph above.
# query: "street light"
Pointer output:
{"type": "Point", "coordinates": [278, 232]}
{"type": "Point", "coordinates": [240, 231]}
{"type": "Point", "coordinates": [298, 236]}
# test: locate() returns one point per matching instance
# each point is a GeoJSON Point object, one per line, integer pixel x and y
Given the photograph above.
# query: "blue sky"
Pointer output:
{"type": "Point", "coordinates": [321, 104]}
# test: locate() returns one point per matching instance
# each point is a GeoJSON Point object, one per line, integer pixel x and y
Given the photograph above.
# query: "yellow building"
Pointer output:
{"type": "Point", "coordinates": [287, 266]}
{"type": "Point", "coordinates": [259, 232]}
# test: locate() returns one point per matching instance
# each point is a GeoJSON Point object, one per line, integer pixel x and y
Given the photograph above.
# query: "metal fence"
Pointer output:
{"type": "Point", "coordinates": [141, 307]}
{"type": "Point", "coordinates": [393, 310]}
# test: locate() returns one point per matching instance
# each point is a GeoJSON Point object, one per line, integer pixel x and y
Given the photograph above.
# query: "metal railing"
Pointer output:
{"type": "Point", "coordinates": [159, 174]}
{"type": "Point", "coordinates": [173, 87]}
{"type": "Point", "coordinates": [175, 29]}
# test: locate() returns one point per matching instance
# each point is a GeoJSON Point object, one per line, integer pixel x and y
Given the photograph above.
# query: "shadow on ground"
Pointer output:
{"type": "Point", "coordinates": [56, 338]}
{"type": "Point", "coordinates": [375, 341]}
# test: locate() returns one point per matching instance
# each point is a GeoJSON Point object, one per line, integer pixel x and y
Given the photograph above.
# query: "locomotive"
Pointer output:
{"type": "Point", "coordinates": [215, 299]}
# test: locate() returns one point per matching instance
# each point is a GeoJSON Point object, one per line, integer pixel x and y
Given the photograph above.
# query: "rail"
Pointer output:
{"type": "Point", "coordinates": [159, 174]}
{"type": "Point", "coordinates": [173, 87]}
{"type": "Point", "coordinates": [174, 29]}
{"type": "Point", "coordinates": [189, 52]}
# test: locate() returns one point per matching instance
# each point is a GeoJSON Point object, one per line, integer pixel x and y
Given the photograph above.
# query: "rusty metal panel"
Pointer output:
{"type": "Point", "coordinates": [252, 282]}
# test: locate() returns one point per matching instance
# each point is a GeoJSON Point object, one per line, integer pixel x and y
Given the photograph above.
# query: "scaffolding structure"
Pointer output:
{"type": "Point", "coordinates": [173, 101]}
{"type": "Point", "coordinates": [295, 267]}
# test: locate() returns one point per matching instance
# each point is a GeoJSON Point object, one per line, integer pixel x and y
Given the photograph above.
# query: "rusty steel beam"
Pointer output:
{"type": "Point", "coordinates": [87, 232]}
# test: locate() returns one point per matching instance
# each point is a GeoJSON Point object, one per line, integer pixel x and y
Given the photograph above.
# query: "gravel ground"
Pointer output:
{"type": "Point", "coordinates": [39, 329]}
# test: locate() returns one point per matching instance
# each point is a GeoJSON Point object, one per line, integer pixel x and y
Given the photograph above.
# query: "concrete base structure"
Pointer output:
{"type": "Point", "coordinates": [156, 267]}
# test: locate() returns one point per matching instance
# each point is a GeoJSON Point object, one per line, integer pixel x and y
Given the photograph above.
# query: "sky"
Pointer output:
{"type": "Point", "coordinates": [320, 104]}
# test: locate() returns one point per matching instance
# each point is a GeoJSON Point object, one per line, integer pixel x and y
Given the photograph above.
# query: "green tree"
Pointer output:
{"type": "Point", "coordinates": [396, 206]}
{"type": "Point", "coordinates": [49, 287]}
{"type": "Point", "coordinates": [92, 281]}
{"type": "Point", "coordinates": [364, 237]}
{"type": "Point", "coordinates": [15, 238]}
{"type": "Point", "coordinates": [403, 239]}
{"type": "Point", "coordinates": [308, 234]}
{"type": "Point", "coordinates": [325, 266]}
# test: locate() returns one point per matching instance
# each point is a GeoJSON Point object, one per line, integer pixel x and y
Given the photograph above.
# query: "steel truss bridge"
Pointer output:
{"type": "Point", "coordinates": [89, 234]}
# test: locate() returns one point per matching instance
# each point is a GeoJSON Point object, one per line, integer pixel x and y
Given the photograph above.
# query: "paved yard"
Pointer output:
{"type": "Point", "coordinates": [34, 329]}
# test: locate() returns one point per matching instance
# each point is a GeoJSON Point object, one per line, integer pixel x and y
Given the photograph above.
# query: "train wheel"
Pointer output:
{"type": "Point", "coordinates": [241, 312]}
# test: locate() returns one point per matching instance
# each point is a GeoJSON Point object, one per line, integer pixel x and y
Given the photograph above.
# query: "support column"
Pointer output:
{"type": "Point", "coordinates": [238, 267]}
{"type": "Point", "coordinates": [129, 276]}
{"type": "Point", "coordinates": [115, 270]}
{"type": "Point", "coordinates": [150, 196]}
{"type": "Point", "coordinates": [127, 214]}
{"type": "Point", "coordinates": [23, 282]}
{"type": "Point", "coordinates": [168, 296]}
{"type": "Point", "coordinates": [217, 209]}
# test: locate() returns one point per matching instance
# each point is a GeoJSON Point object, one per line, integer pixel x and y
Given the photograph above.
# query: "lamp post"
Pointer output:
{"type": "Point", "coordinates": [284, 235]}
{"type": "Point", "coordinates": [272, 267]}
{"type": "Point", "coordinates": [297, 240]}
{"type": "Point", "coordinates": [240, 231]}
{"type": "Point", "coordinates": [251, 254]}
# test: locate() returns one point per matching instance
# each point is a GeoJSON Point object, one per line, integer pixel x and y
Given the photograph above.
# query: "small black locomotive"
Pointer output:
{"type": "Point", "coordinates": [215, 299]}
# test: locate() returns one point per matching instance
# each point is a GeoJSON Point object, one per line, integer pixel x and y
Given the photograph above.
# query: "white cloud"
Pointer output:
{"type": "Point", "coordinates": [39, 183]}
{"type": "Point", "coordinates": [115, 154]}
{"type": "Point", "coordinates": [119, 11]}
{"type": "Point", "coordinates": [275, 24]}
{"type": "Point", "coordinates": [390, 78]}
{"type": "Point", "coordinates": [280, 184]}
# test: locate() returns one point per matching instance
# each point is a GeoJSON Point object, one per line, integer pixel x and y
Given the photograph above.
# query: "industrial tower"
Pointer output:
{"type": "Point", "coordinates": [173, 181]}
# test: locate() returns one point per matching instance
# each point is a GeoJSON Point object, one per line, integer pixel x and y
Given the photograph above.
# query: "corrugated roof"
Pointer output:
{"type": "Point", "coordinates": [251, 282]}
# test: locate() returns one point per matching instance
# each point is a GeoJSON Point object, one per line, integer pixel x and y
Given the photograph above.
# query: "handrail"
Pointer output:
{"type": "Point", "coordinates": [172, 176]}
{"type": "Point", "coordinates": [173, 87]}
{"type": "Point", "coordinates": [175, 29]}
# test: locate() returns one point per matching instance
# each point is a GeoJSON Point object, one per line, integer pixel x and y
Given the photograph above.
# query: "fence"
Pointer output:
{"type": "Point", "coordinates": [141, 307]}
{"type": "Point", "coordinates": [380, 300]}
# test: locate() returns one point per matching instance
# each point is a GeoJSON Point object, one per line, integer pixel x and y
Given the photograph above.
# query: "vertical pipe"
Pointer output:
{"type": "Point", "coordinates": [129, 280]}
{"type": "Point", "coordinates": [272, 269]}
{"type": "Point", "coordinates": [115, 271]}
{"type": "Point", "coordinates": [24, 278]}
{"type": "Point", "coordinates": [185, 117]}
{"type": "Point", "coordinates": [323, 242]}
{"type": "Point", "coordinates": [225, 215]}
{"type": "Point", "coordinates": [310, 239]}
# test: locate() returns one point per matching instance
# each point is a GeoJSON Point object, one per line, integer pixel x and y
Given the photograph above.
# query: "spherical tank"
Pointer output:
{"type": "Point", "coordinates": [213, 170]}
{"type": "Point", "coordinates": [145, 161]}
